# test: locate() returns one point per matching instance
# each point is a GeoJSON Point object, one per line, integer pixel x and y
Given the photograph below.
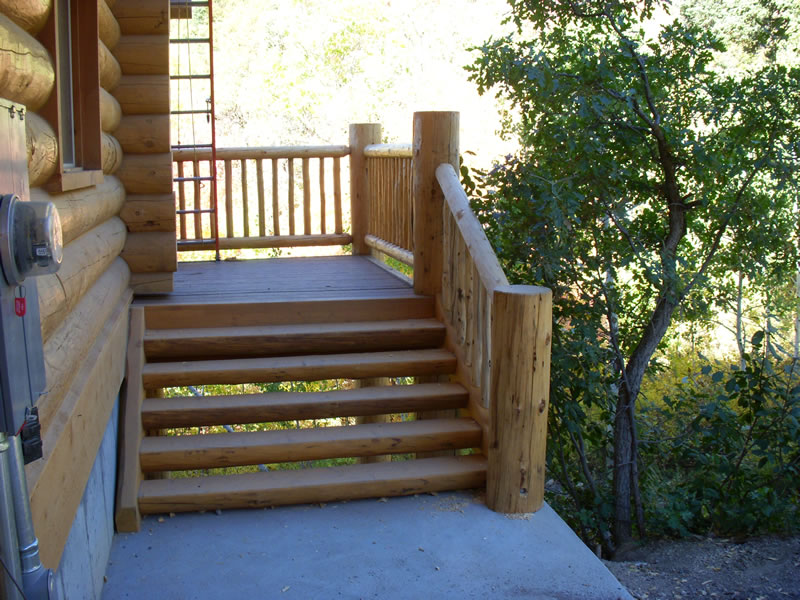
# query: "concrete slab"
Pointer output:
{"type": "Point", "coordinates": [442, 546]}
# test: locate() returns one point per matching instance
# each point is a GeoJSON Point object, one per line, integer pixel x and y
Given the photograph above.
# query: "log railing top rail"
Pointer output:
{"type": "Point", "coordinates": [256, 152]}
{"type": "Point", "coordinates": [388, 151]}
{"type": "Point", "coordinates": [481, 251]}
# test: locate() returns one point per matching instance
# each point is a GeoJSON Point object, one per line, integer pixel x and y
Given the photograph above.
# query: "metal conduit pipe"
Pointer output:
{"type": "Point", "coordinates": [37, 582]}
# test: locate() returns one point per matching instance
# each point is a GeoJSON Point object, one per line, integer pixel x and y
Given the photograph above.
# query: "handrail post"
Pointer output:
{"type": "Point", "coordinates": [519, 396]}
{"type": "Point", "coordinates": [435, 142]}
{"type": "Point", "coordinates": [361, 135]}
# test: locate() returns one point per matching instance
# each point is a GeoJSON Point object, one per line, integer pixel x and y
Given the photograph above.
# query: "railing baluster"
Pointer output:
{"type": "Point", "coordinates": [212, 220]}
{"type": "Point", "coordinates": [306, 198]}
{"type": "Point", "coordinates": [228, 199]}
{"type": "Point", "coordinates": [322, 216]}
{"type": "Point", "coordinates": [245, 202]}
{"type": "Point", "coordinates": [291, 196]}
{"type": "Point", "coordinates": [182, 200]}
{"type": "Point", "coordinates": [262, 213]}
{"type": "Point", "coordinates": [198, 202]}
{"type": "Point", "coordinates": [276, 214]}
{"type": "Point", "coordinates": [337, 194]}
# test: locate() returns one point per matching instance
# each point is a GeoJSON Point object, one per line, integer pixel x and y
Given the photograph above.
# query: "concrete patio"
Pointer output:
{"type": "Point", "coordinates": [447, 545]}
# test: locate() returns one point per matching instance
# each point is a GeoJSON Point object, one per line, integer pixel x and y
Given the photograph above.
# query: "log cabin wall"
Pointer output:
{"type": "Point", "coordinates": [84, 307]}
{"type": "Point", "coordinates": [144, 133]}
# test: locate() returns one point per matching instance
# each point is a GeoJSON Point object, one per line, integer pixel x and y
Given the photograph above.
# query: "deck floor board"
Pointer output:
{"type": "Point", "coordinates": [280, 279]}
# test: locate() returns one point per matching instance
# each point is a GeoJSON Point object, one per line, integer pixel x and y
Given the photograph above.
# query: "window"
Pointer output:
{"type": "Point", "coordinates": [73, 110]}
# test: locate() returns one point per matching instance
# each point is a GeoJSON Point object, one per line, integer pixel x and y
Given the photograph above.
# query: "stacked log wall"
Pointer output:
{"type": "Point", "coordinates": [144, 134]}
{"type": "Point", "coordinates": [84, 307]}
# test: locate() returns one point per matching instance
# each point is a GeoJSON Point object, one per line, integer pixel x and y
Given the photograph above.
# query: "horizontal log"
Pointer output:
{"type": "Point", "coordinates": [146, 173]}
{"type": "Point", "coordinates": [300, 368]}
{"type": "Point", "coordinates": [151, 283]}
{"type": "Point", "coordinates": [172, 453]}
{"type": "Point", "coordinates": [151, 252]}
{"type": "Point", "coordinates": [30, 15]}
{"type": "Point", "coordinates": [81, 210]}
{"type": "Point", "coordinates": [42, 145]}
{"type": "Point", "coordinates": [323, 484]}
{"type": "Point", "coordinates": [154, 212]}
{"type": "Point", "coordinates": [144, 134]}
{"type": "Point", "coordinates": [196, 411]}
{"type": "Point", "coordinates": [85, 259]}
{"type": "Point", "coordinates": [73, 435]}
{"type": "Point", "coordinates": [111, 153]}
{"type": "Point", "coordinates": [271, 241]}
{"type": "Point", "coordinates": [142, 16]}
{"type": "Point", "coordinates": [396, 252]}
{"type": "Point", "coordinates": [388, 151]}
{"type": "Point", "coordinates": [143, 54]}
{"type": "Point", "coordinates": [26, 70]}
{"type": "Point", "coordinates": [143, 94]}
{"type": "Point", "coordinates": [109, 28]}
{"type": "Point", "coordinates": [110, 112]}
{"type": "Point", "coordinates": [249, 153]}
{"type": "Point", "coordinates": [110, 71]}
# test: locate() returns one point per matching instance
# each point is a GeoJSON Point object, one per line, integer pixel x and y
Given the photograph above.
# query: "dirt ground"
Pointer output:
{"type": "Point", "coordinates": [757, 569]}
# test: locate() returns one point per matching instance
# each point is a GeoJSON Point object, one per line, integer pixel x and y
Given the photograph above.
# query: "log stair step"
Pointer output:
{"type": "Point", "coordinates": [305, 338]}
{"type": "Point", "coordinates": [299, 368]}
{"type": "Point", "coordinates": [194, 411]}
{"type": "Point", "coordinates": [177, 453]}
{"type": "Point", "coordinates": [327, 484]}
{"type": "Point", "coordinates": [253, 314]}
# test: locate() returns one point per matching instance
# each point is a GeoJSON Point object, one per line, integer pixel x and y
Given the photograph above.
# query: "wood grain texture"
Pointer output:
{"type": "Point", "coordinates": [42, 147]}
{"type": "Point", "coordinates": [143, 94]}
{"type": "Point", "coordinates": [108, 27]}
{"type": "Point", "coordinates": [304, 338]}
{"type": "Point", "coordinates": [111, 153]}
{"type": "Point", "coordinates": [151, 283]}
{"type": "Point", "coordinates": [274, 241]}
{"type": "Point", "coordinates": [30, 15]}
{"type": "Point", "coordinates": [149, 212]}
{"type": "Point", "coordinates": [258, 490]}
{"type": "Point", "coordinates": [521, 340]}
{"type": "Point", "coordinates": [146, 173]}
{"type": "Point", "coordinates": [26, 69]}
{"type": "Point", "coordinates": [435, 142]}
{"type": "Point", "coordinates": [84, 209]}
{"type": "Point", "coordinates": [126, 513]}
{"type": "Point", "coordinates": [110, 112]}
{"type": "Point", "coordinates": [361, 136]}
{"type": "Point", "coordinates": [300, 368]}
{"type": "Point", "coordinates": [150, 252]}
{"type": "Point", "coordinates": [72, 440]}
{"type": "Point", "coordinates": [110, 70]}
{"type": "Point", "coordinates": [386, 417]}
{"type": "Point", "coordinates": [142, 16]}
{"type": "Point", "coordinates": [144, 134]}
{"type": "Point", "coordinates": [143, 54]}
{"type": "Point", "coordinates": [85, 260]}
{"type": "Point", "coordinates": [171, 453]}
{"type": "Point", "coordinates": [194, 411]}
{"type": "Point", "coordinates": [262, 152]}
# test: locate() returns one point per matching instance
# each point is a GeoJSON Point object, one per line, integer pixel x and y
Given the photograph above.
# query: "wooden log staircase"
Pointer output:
{"type": "Point", "coordinates": [473, 353]}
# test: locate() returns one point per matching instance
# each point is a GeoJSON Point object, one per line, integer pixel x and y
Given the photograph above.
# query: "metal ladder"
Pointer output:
{"type": "Point", "coordinates": [184, 9]}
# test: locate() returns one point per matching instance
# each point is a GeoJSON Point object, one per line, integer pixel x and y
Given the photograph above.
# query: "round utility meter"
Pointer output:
{"type": "Point", "coordinates": [31, 243]}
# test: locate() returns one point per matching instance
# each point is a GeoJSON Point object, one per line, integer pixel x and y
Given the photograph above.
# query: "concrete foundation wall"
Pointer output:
{"type": "Point", "coordinates": [83, 564]}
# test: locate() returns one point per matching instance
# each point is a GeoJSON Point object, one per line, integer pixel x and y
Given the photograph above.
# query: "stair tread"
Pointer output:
{"type": "Point", "coordinates": [187, 411]}
{"type": "Point", "coordinates": [295, 368]}
{"type": "Point", "coordinates": [265, 340]}
{"type": "Point", "coordinates": [172, 453]}
{"type": "Point", "coordinates": [326, 484]}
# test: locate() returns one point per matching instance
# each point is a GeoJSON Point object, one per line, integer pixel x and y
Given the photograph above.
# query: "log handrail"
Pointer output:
{"type": "Point", "coordinates": [291, 205]}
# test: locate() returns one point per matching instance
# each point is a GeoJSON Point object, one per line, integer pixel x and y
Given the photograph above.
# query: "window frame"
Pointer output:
{"type": "Point", "coordinates": [87, 169]}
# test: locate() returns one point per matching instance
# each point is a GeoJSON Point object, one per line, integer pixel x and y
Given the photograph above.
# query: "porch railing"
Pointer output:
{"type": "Point", "coordinates": [268, 197]}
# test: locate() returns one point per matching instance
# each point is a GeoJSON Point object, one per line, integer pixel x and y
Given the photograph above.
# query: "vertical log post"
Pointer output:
{"type": "Point", "coordinates": [361, 135]}
{"type": "Point", "coordinates": [435, 142]}
{"type": "Point", "coordinates": [519, 395]}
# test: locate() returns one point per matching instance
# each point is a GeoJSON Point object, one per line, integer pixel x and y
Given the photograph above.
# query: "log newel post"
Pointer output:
{"type": "Point", "coordinates": [519, 396]}
{"type": "Point", "coordinates": [361, 135]}
{"type": "Point", "coordinates": [435, 142]}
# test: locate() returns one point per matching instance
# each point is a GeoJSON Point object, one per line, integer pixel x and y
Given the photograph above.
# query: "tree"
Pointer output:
{"type": "Point", "coordinates": [642, 173]}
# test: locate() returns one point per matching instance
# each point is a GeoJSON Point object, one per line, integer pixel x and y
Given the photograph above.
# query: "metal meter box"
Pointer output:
{"type": "Point", "coordinates": [22, 377]}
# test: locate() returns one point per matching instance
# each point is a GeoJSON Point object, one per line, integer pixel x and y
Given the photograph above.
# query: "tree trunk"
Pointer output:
{"type": "Point", "coordinates": [624, 451]}
{"type": "Point", "coordinates": [740, 337]}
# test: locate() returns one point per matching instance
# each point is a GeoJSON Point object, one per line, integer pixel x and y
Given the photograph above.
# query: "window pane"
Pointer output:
{"type": "Point", "coordinates": [65, 83]}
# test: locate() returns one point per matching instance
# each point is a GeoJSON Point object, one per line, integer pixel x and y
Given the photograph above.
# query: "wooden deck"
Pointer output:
{"type": "Point", "coordinates": [281, 279]}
